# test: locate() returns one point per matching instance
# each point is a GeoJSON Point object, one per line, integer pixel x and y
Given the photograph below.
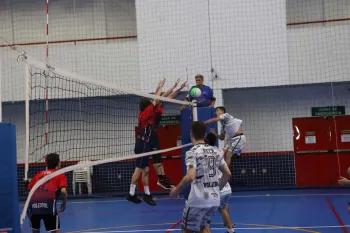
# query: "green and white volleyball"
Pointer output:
{"type": "Point", "coordinates": [195, 92]}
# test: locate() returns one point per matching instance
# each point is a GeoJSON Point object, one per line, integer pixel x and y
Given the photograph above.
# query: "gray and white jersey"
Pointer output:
{"type": "Point", "coordinates": [230, 125]}
{"type": "Point", "coordinates": [205, 190]}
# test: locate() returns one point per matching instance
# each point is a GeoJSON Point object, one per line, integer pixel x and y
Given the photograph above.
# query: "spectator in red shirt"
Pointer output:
{"type": "Point", "coordinates": [42, 205]}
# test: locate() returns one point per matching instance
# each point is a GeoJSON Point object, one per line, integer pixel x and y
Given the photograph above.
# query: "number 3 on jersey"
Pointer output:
{"type": "Point", "coordinates": [211, 166]}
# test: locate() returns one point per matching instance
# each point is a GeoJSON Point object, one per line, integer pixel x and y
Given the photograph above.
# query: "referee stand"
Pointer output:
{"type": "Point", "coordinates": [9, 220]}
{"type": "Point", "coordinates": [203, 113]}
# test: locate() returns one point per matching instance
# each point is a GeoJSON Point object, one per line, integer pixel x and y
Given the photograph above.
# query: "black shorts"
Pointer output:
{"type": "Point", "coordinates": [142, 146]}
{"type": "Point", "coordinates": [155, 145]}
{"type": "Point", "coordinates": [51, 222]}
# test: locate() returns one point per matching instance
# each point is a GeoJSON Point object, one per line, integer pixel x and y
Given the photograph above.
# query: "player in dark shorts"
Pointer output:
{"type": "Point", "coordinates": [163, 181]}
{"type": "Point", "coordinates": [42, 205]}
{"type": "Point", "coordinates": [148, 112]}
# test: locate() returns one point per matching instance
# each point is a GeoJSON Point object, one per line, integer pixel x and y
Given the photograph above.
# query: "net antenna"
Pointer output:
{"type": "Point", "coordinates": [109, 121]}
{"type": "Point", "coordinates": [335, 127]}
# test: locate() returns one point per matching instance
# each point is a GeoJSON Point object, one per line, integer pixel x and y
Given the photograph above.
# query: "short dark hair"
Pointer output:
{"type": "Point", "coordinates": [52, 160]}
{"type": "Point", "coordinates": [222, 108]}
{"type": "Point", "coordinates": [210, 139]}
{"type": "Point", "coordinates": [199, 76]}
{"type": "Point", "coordinates": [144, 103]}
{"type": "Point", "coordinates": [198, 130]}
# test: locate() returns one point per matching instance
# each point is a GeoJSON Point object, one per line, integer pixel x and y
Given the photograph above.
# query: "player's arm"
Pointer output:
{"type": "Point", "coordinates": [176, 92]}
{"type": "Point", "coordinates": [212, 120]}
{"type": "Point", "coordinates": [158, 91]}
{"type": "Point", "coordinates": [64, 194]}
{"type": "Point", "coordinates": [159, 87]}
{"type": "Point", "coordinates": [170, 90]}
{"type": "Point", "coordinates": [220, 136]}
{"type": "Point", "coordinates": [226, 173]}
{"type": "Point", "coordinates": [190, 174]}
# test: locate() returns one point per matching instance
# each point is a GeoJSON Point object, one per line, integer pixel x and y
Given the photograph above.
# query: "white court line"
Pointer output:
{"type": "Point", "coordinates": [233, 196]}
{"type": "Point", "coordinates": [243, 228]}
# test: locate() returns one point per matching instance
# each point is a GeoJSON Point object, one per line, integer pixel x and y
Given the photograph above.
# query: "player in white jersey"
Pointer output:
{"type": "Point", "coordinates": [231, 127]}
{"type": "Point", "coordinates": [203, 165]}
{"type": "Point", "coordinates": [225, 194]}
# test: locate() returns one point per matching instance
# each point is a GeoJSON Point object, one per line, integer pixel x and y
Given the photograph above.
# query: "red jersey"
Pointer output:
{"type": "Point", "coordinates": [44, 198]}
{"type": "Point", "coordinates": [147, 120]}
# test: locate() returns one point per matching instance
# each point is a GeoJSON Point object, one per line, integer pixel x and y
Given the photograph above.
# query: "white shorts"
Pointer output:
{"type": "Point", "coordinates": [224, 200]}
{"type": "Point", "coordinates": [236, 144]}
{"type": "Point", "coordinates": [194, 218]}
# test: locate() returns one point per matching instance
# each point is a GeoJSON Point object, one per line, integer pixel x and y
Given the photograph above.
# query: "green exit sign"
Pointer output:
{"type": "Point", "coordinates": [328, 111]}
{"type": "Point", "coordinates": [170, 120]}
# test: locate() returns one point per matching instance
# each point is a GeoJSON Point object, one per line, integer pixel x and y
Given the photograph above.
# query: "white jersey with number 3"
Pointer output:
{"type": "Point", "coordinates": [205, 190]}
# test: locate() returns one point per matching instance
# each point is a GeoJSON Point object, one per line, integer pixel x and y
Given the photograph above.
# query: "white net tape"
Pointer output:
{"type": "Point", "coordinates": [90, 164]}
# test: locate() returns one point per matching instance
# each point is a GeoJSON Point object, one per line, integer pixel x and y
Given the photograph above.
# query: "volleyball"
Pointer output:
{"type": "Point", "coordinates": [196, 92]}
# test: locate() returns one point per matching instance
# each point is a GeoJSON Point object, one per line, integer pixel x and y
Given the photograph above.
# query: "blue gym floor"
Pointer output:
{"type": "Point", "coordinates": [264, 211]}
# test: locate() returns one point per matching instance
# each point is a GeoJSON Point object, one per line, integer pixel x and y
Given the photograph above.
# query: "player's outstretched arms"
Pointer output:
{"type": "Point", "coordinates": [226, 174]}
{"type": "Point", "coordinates": [158, 91]}
{"type": "Point", "coordinates": [159, 87]}
{"type": "Point", "coordinates": [170, 90]}
{"type": "Point", "coordinates": [175, 93]}
{"type": "Point", "coordinates": [64, 193]}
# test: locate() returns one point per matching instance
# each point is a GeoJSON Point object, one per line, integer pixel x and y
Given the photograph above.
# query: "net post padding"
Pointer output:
{"type": "Point", "coordinates": [195, 110]}
{"type": "Point", "coordinates": [56, 70]}
{"type": "Point", "coordinates": [89, 164]}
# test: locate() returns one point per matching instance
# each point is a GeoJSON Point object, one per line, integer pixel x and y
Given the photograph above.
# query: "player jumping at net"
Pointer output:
{"type": "Point", "coordinates": [236, 140]}
{"type": "Point", "coordinates": [203, 165]}
{"type": "Point", "coordinates": [163, 181]}
{"type": "Point", "coordinates": [225, 194]}
{"type": "Point", "coordinates": [149, 111]}
{"type": "Point", "coordinates": [42, 205]}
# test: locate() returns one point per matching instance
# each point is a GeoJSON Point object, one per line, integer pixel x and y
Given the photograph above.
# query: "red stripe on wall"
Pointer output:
{"type": "Point", "coordinates": [70, 41]}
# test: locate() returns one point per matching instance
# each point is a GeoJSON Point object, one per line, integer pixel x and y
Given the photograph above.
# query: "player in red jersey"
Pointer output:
{"type": "Point", "coordinates": [163, 181]}
{"type": "Point", "coordinates": [149, 110]}
{"type": "Point", "coordinates": [42, 205]}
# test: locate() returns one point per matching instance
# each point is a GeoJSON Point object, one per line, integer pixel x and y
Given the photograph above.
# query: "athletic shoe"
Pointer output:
{"type": "Point", "coordinates": [149, 200]}
{"type": "Point", "coordinates": [165, 183]}
{"type": "Point", "coordinates": [133, 199]}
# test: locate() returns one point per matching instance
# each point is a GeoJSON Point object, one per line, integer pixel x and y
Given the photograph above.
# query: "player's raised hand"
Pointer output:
{"type": "Point", "coordinates": [162, 82]}
{"type": "Point", "coordinates": [185, 84]}
{"type": "Point", "coordinates": [176, 83]}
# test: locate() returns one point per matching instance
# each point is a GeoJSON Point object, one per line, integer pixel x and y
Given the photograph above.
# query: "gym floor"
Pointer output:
{"type": "Point", "coordinates": [259, 211]}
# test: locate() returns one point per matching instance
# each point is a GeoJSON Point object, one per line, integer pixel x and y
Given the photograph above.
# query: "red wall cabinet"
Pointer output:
{"type": "Point", "coordinates": [321, 146]}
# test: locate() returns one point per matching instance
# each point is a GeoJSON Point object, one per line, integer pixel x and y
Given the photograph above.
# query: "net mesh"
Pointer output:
{"type": "Point", "coordinates": [268, 62]}
{"type": "Point", "coordinates": [85, 122]}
